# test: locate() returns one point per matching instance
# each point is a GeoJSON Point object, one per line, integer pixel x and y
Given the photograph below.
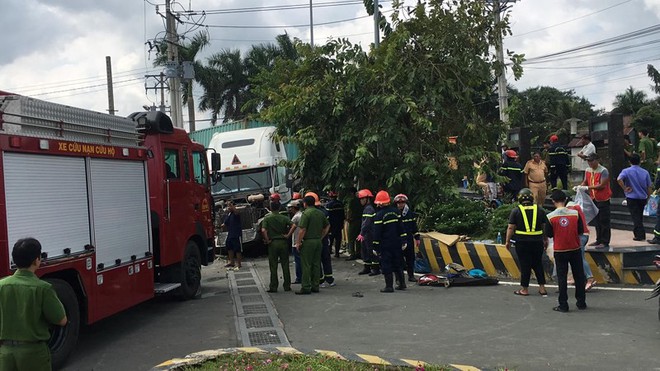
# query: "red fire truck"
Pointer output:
{"type": "Point", "coordinates": [121, 206]}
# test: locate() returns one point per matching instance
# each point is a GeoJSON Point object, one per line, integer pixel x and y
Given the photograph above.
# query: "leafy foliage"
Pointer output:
{"type": "Point", "coordinates": [630, 101]}
{"type": "Point", "coordinates": [382, 119]}
{"type": "Point", "coordinates": [457, 215]}
{"type": "Point", "coordinates": [544, 110]}
{"type": "Point", "coordinates": [499, 220]}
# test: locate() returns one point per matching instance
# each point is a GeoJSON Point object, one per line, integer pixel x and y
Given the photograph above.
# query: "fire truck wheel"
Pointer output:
{"type": "Point", "coordinates": [191, 271]}
{"type": "Point", "coordinates": [63, 339]}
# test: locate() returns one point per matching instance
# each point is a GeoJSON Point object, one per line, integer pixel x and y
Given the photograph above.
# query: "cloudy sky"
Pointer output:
{"type": "Point", "coordinates": [55, 49]}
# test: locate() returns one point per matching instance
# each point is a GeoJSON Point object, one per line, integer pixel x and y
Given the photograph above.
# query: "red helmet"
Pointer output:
{"type": "Point", "coordinates": [275, 197]}
{"type": "Point", "coordinates": [554, 138]}
{"type": "Point", "coordinates": [511, 153]}
{"type": "Point", "coordinates": [364, 193]}
{"type": "Point", "coordinates": [296, 196]}
{"type": "Point", "coordinates": [317, 202]}
{"type": "Point", "coordinates": [400, 198]}
{"type": "Point", "coordinates": [429, 280]}
{"type": "Point", "coordinates": [332, 194]}
{"type": "Point", "coordinates": [382, 198]}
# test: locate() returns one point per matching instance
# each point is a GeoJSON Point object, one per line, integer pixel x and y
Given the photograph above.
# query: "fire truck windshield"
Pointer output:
{"type": "Point", "coordinates": [244, 181]}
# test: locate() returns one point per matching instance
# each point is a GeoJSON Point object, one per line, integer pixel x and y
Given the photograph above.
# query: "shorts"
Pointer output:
{"type": "Point", "coordinates": [233, 244]}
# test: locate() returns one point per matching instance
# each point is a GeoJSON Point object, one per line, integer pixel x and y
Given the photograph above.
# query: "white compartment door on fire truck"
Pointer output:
{"type": "Point", "coordinates": [46, 198]}
{"type": "Point", "coordinates": [119, 210]}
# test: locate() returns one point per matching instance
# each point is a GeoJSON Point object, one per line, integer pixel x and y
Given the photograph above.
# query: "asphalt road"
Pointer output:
{"type": "Point", "coordinates": [487, 327]}
{"type": "Point", "coordinates": [160, 329]}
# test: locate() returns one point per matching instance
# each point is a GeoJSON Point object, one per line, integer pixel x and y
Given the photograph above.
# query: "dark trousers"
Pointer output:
{"type": "Point", "coordinates": [562, 260]}
{"type": "Point", "coordinates": [409, 257]}
{"type": "Point", "coordinates": [602, 222]}
{"type": "Point", "coordinates": [391, 259]}
{"type": "Point", "coordinates": [561, 172]}
{"type": "Point", "coordinates": [326, 264]}
{"type": "Point", "coordinates": [367, 254]}
{"type": "Point", "coordinates": [636, 209]}
{"type": "Point", "coordinates": [530, 255]}
{"type": "Point", "coordinates": [335, 239]}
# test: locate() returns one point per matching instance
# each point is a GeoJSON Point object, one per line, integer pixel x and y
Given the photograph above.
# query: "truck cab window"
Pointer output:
{"type": "Point", "coordinates": [172, 168]}
{"type": "Point", "coordinates": [186, 165]}
{"type": "Point", "coordinates": [199, 167]}
{"type": "Point", "coordinates": [281, 175]}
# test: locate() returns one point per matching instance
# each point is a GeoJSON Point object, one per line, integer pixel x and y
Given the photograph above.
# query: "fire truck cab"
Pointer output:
{"type": "Point", "coordinates": [121, 206]}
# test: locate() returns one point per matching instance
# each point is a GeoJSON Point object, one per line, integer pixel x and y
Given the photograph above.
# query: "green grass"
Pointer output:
{"type": "Point", "coordinates": [295, 362]}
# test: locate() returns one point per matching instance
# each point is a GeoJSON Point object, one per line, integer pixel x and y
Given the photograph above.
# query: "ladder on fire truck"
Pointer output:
{"type": "Point", "coordinates": [31, 117]}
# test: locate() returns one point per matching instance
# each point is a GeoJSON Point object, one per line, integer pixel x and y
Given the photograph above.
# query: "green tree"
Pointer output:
{"type": "Point", "coordinates": [544, 110]}
{"type": "Point", "coordinates": [385, 117]}
{"type": "Point", "coordinates": [630, 101]}
{"type": "Point", "coordinates": [226, 79]}
{"type": "Point", "coordinates": [648, 118]}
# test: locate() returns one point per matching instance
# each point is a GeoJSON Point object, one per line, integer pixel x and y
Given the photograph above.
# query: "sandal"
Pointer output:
{"type": "Point", "coordinates": [521, 293]}
{"type": "Point", "coordinates": [590, 284]}
{"type": "Point", "coordinates": [543, 293]}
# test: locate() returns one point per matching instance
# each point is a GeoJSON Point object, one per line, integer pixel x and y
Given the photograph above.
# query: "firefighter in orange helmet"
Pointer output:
{"type": "Point", "coordinates": [389, 241]}
{"type": "Point", "coordinates": [366, 236]}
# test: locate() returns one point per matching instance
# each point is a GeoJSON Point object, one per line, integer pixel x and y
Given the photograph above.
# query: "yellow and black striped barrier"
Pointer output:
{"type": "Point", "coordinates": [498, 261]}
{"type": "Point", "coordinates": [201, 357]}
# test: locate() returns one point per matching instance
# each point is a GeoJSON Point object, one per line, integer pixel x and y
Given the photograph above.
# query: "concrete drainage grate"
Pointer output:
{"type": "Point", "coordinates": [248, 282]}
{"type": "Point", "coordinates": [248, 290]}
{"type": "Point", "coordinates": [258, 322]}
{"type": "Point", "coordinates": [240, 276]}
{"type": "Point", "coordinates": [251, 299]}
{"type": "Point", "coordinates": [255, 309]}
{"type": "Point", "coordinates": [264, 338]}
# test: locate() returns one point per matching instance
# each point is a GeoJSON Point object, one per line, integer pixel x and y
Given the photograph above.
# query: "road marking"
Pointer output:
{"type": "Point", "coordinates": [630, 289]}
{"type": "Point", "coordinates": [375, 360]}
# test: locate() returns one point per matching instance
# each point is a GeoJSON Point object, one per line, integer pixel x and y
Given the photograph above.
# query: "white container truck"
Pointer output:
{"type": "Point", "coordinates": [253, 168]}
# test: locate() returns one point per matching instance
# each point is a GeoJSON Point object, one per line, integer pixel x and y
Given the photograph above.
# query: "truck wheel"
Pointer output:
{"type": "Point", "coordinates": [191, 271]}
{"type": "Point", "coordinates": [63, 339]}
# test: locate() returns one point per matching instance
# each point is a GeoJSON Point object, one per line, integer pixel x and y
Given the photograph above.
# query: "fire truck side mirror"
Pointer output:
{"type": "Point", "coordinates": [215, 162]}
{"type": "Point", "coordinates": [289, 178]}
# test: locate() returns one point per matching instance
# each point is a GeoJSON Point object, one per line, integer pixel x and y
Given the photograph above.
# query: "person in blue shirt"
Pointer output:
{"type": "Point", "coordinates": [232, 225]}
{"type": "Point", "coordinates": [636, 184]}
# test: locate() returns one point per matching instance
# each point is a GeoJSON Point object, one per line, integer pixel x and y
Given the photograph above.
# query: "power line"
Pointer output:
{"type": "Point", "coordinates": [285, 26]}
{"type": "Point", "coordinates": [627, 47]}
{"type": "Point", "coordinates": [274, 8]}
{"type": "Point", "coordinates": [82, 87]}
{"type": "Point", "coordinates": [570, 20]}
{"type": "Point", "coordinates": [69, 82]}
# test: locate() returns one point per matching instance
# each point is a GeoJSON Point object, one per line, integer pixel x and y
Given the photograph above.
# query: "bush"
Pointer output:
{"type": "Point", "coordinates": [499, 221]}
{"type": "Point", "coordinates": [456, 215]}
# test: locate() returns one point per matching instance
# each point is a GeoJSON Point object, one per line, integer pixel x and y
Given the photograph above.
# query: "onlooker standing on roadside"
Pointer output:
{"type": "Point", "coordinates": [597, 181]}
{"type": "Point", "coordinates": [535, 173]}
{"type": "Point", "coordinates": [646, 151]}
{"type": "Point", "coordinates": [588, 147]}
{"type": "Point", "coordinates": [28, 306]}
{"type": "Point", "coordinates": [336, 215]}
{"type": "Point", "coordinates": [313, 227]}
{"type": "Point", "coordinates": [559, 162]}
{"type": "Point", "coordinates": [525, 233]}
{"type": "Point", "coordinates": [354, 220]}
{"type": "Point", "coordinates": [656, 229]}
{"type": "Point", "coordinates": [274, 229]}
{"type": "Point", "coordinates": [295, 207]}
{"type": "Point", "coordinates": [628, 148]}
{"type": "Point", "coordinates": [636, 184]}
{"type": "Point", "coordinates": [565, 226]}
{"type": "Point", "coordinates": [234, 229]}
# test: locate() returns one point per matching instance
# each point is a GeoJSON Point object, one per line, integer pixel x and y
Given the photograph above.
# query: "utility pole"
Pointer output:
{"type": "Point", "coordinates": [501, 74]}
{"type": "Point", "coordinates": [376, 28]}
{"type": "Point", "coordinates": [160, 85]}
{"type": "Point", "coordinates": [311, 23]}
{"type": "Point", "coordinates": [111, 94]}
{"type": "Point", "coordinates": [173, 58]}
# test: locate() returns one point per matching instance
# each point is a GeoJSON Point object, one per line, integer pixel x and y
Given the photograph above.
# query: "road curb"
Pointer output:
{"type": "Point", "coordinates": [203, 356]}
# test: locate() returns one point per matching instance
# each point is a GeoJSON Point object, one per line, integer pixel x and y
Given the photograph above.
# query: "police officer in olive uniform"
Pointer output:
{"type": "Point", "coordinates": [313, 227]}
{"type": "Point", "coordinates": [274, 230]}
{"type": "Point", "coordinates": [525, 233]}
{"type": "Point", "coordinates": [28, 306]}
{"type": "Point", "coordinates": [389, 241]}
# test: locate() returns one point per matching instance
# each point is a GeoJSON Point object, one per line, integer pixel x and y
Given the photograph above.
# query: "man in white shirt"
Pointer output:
{"type": "Point", "coordinates": [586, 150]}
